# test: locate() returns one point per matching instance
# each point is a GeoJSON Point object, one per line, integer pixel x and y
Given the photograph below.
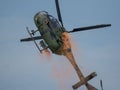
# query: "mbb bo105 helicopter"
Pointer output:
{"type": "Point", "coordinates": [54, 36]}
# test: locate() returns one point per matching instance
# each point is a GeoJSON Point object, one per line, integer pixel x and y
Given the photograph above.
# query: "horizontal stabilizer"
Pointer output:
{"type": "Point", "coordinates": [80, 83]}
{"type": "Point", "coordinates": [31, 39]}
{"type": "Point", "coordinates": [90, 87]}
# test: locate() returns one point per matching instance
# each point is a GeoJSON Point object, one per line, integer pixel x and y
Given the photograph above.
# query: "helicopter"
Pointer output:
{"type": "Point", "coordinates": [54, 37]}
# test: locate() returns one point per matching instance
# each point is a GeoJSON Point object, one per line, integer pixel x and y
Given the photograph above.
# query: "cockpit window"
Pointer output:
{"type": "Point", "coordinates": [54, 21]}
{"type": "Point", "coordinates": [44, 18]}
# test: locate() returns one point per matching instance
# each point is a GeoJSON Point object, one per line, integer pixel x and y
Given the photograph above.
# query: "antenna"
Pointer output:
{"type": "Point", "coordinates": [101, 84]}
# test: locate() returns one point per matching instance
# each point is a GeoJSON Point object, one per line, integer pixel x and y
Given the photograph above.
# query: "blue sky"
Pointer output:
{"type": "Point", "coordinates": [23, 68]}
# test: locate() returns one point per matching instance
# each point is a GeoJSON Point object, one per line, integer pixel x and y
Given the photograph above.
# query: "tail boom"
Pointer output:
{"type": "Point", "coordinates": [83, 80]}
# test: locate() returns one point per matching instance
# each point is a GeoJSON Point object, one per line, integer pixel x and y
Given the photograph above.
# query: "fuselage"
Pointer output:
{"type": "Point", "coordinates": [50, 30]}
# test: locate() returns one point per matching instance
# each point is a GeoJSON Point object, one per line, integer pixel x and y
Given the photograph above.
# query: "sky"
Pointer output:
{"type": "Point", "coordinates": [22, 67]}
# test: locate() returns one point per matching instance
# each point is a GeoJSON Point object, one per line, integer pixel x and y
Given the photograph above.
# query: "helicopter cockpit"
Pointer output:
{"type": "Point", "coordinates": [44, 18]}
{"type": "Point", "coordinates": [41, 18]}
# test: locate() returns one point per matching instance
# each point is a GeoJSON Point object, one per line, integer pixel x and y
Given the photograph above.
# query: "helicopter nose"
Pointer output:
{"type": "Point", "coordinates": [39, 18]}
{"type": "Point", "coordinates": [37, 21]}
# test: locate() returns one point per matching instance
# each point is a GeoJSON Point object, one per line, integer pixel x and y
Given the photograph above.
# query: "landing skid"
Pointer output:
{"type": "Point", "coordinates": [31, 35]}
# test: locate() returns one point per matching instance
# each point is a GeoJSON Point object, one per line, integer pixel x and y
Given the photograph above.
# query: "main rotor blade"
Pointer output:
{"type": "Point", "coordinates": [89, 27]}
{"type": "Point", "coordinates": [30, 39]}
{"type": "Point", "coordinates": [58, 12]}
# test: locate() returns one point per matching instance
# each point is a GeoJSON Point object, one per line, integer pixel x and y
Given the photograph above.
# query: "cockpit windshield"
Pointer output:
{"type": "Point", "coordinates": [54, 22]}
{"type": "Point", "coordinates": [43, 17]}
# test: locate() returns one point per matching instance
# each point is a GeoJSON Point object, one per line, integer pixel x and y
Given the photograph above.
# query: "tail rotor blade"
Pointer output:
{"type": "Point", "coordinates": [90, 27]}
{"type": "Point", "coordinates": [101, 84]}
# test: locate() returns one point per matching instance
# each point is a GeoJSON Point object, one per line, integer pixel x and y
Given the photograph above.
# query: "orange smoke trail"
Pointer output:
{"type": "Point", "coordinates": [45, 56]}
{"type": "Point", "coordinates": [61, 69]}
{"type": "Point", "coordinates": [63, 73]}
{"type": "Point", "coordinates": [47, 53]}
{"type": "Point", "coordinates": [65, 40]}
{"type": "Point", "coordinates": [69, 41]}
{"type": "Point", "coordinates": [73, 43]}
